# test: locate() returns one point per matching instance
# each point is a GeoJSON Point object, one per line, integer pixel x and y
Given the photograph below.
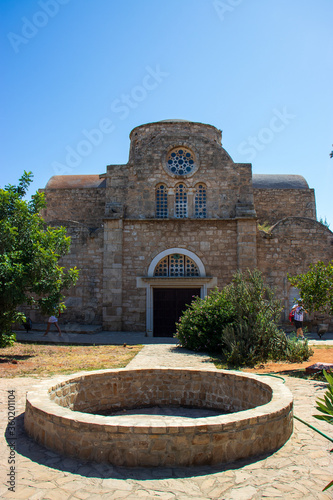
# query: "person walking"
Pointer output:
{"type": "Point", "coordinates": [53, 320]}
{"type": "Point", "coordinates": [298, 318]}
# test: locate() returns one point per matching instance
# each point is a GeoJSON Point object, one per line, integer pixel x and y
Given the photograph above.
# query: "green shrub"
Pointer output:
{"type": "Point", "coordinates": [297, 351]}
{"type": "Point", "coordinates": [239, 322]}
{"type": "Point", "coordinates": [201, 324]}
{"type": "Point", "coordinates": [7, 340]}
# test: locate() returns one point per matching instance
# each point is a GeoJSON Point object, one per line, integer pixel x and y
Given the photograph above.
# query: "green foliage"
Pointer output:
{"type": "Point", "coordinates": [316, 287]}
{"type": "Point", "coordinates": [324, 222]}
{"type": "Point", "coordinates": [7, 340]}
{"type": "Point", "coordinates": [201, 324]}
{"type": "Point", "coordinates": [265, 226]}
{"type": "Point", "coordinates": [296, 351]}
{"type": "Point", "coordinates": [29, 255]}
{"type": "Point", "coordinates": [325, 406]}
{"type": "Point", "coordinates": [238, 322]}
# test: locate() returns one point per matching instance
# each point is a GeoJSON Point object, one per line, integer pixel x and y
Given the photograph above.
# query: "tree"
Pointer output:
{"type": "Point", "coordinates": [316, 287]}
{"type": "Point", "coordinates": [29, 258]}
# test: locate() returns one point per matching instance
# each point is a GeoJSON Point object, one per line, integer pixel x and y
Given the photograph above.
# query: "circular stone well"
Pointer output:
{"type": "Point", "coordinates": [62, 416]}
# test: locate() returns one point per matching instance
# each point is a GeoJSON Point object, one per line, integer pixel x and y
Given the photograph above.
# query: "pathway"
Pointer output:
{"type": "Point", "coordinates": [300, 469]}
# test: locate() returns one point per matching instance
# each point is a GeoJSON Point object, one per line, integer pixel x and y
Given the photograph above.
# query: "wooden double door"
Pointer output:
{"type": "Point", "coordinates": [169, 303]}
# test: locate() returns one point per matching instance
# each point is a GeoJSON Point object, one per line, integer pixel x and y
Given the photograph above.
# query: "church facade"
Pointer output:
{"type": "Point", "coordinates": [180, 218]}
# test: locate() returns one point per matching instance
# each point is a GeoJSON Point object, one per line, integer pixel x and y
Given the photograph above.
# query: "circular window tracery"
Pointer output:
{"type": "Point", "coordinates": [180, 161]}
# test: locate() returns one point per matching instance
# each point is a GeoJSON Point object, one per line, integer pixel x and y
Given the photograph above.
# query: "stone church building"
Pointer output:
{"type": "Point", "coordinates": [180, 218]}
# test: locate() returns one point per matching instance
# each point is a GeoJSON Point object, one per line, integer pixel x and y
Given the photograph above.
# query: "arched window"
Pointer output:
{"type": "Point", "coordinates": [161, 197]}
{"type": "Point", "coordinates": [200, 202]}
{"type": "Point", "coordinates": [181, 201]}
{"type": "Point", "coordinates": [176, 266]}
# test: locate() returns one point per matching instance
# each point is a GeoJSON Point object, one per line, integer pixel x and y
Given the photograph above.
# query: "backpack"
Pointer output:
{"type": "Point", "coordinates": [291, 316]}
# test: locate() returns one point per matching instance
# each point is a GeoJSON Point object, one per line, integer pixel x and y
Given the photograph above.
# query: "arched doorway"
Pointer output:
{"type": "Point", "coordinates": [174, 277]}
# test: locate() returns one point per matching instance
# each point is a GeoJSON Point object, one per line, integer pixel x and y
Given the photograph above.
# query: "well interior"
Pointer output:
{"type": "Point", "coordinates": [124, 390]}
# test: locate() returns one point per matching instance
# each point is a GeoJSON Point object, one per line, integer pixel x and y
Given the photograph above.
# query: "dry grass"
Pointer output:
{"type": "Point", "coordinates": [44, 360]}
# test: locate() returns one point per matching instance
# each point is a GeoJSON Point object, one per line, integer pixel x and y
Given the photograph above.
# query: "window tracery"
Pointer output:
{"type": "Point", "coordinates": [180, 161]}
{"type": "Point", "coordinates": [161, 201]}
{"type": "Point", "coordinates": [181, 201]}
{"type": "Point", "coordinates": [176, 266]}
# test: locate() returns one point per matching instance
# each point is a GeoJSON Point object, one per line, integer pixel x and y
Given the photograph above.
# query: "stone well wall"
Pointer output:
{"type": "Point", "coordinates": [56, 416]}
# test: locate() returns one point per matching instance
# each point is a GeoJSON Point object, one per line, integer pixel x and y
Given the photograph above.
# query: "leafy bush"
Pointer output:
{"type": "Point", "coordinates": [7, 340]}
{"type": "Point", "coordinates": [238, 322]}
{"type": "Point", "coordinates": [201, 324]}
{"type": "Point", "coordinates": [297, 351]}
{"type": "Point", "coordinates": [325, 406]}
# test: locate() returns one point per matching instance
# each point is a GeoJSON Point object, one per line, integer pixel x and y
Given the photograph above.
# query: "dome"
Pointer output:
{"type": "Point", "coordinates": [277, 181]}
{"type": "Point", "coordinates": [75, 182]}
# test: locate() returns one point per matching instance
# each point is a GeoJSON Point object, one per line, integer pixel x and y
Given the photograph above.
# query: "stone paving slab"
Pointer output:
{"type": "Point", "coordinates": [299, 470]}
{"type": "Point", "coordinates": [95, 338]}
{"type": "Point", "coordinates": [92, 334]}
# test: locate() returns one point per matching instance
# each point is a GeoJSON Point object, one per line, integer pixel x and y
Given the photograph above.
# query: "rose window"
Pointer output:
{"type": "Point", "coordinates": [180, 161]}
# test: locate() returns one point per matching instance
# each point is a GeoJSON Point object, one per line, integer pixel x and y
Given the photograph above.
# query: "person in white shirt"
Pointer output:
{"type": "Point", "coordinates": [298, 318]}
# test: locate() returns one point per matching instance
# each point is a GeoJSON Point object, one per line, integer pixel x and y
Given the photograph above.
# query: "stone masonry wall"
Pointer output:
{"type": "Point", "coordinates": [214, 242]}
{"type": "Point", "coordinates": [273, 205]}
{"type": "Point", "coordinates": [84, 301]}
{"type": "Point", "coordinates": [292, 246]}
{"type": "Point", "coordinates": [132, 186]}
{"type": "Point", "coordinates": [109, 392]}
{"type": "Point", "coordinates": [81, 205]}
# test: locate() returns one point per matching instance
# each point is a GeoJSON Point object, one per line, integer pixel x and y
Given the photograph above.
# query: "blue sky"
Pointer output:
{"type": "Point", "coordinates": [78, 76]}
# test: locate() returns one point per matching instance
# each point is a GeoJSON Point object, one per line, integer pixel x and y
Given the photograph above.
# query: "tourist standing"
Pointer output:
{"type": "Point", "coordinates": [298, 318]}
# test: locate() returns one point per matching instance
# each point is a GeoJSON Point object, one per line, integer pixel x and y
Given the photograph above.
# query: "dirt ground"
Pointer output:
{"type": "Point", "coordinates": [44, 360]}
{"type": "Point", "coordinates": [321, 354]}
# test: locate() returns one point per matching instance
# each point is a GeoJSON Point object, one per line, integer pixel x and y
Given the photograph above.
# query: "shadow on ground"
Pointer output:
{"type": "Point", "coordinates": [27, 447]}
{"type": "Point", "coordinates": [9, 358]}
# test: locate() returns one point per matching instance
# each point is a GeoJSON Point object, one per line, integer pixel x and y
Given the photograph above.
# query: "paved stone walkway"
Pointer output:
{"type": "Point", "coordinates": [92, 334]}
{"type": "Point", "coordinates": [300, 469]}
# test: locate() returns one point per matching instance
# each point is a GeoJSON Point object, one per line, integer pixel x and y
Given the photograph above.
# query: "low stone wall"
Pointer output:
{"type": "Point", "coordinates": [61, 417]}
